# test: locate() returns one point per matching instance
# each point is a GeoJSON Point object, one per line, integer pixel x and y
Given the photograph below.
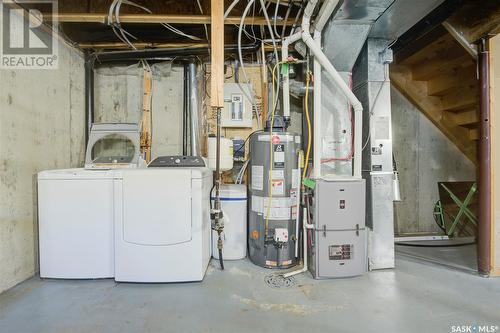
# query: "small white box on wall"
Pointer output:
{"type": "Point", "coordinates": [237, 110]}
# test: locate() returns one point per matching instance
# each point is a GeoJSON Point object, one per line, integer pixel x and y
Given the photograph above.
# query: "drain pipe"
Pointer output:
{"type": "Point", "coordinates": [484, 225]}
{"type": "Point", "coordinates": [326, 11]}
{"type": "Point", "coordinates": [327, 65]}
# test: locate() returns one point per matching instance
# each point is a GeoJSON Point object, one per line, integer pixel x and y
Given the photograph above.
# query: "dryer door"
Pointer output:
{"type": "Point", "coordinates": [157, 206]}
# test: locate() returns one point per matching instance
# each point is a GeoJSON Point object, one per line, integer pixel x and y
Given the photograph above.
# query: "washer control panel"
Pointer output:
{"type": "Point", "coordinates": [177, 161]}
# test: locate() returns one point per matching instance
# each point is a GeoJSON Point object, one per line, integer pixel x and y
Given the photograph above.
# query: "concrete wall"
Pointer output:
{"type": "Point", "coordinates": [424, 156]}
{"type": "Point", "coordinates": [41, 127]}
{"type": "Point", "coordinates": [118, 98]}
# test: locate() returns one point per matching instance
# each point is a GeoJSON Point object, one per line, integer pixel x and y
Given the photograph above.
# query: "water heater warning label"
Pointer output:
{"type": "Point", "coordinates": [340, 252]}
{"type": "Point", "coordinates": [279, 156]}
{"type": "Point", "coordinates": [257, 177]}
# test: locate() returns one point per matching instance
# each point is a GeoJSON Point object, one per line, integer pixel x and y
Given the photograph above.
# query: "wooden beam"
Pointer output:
{"type": "Point", "coordinates": [470, 48]}
{"type": "Point", "coordinates": [217, 54]}
{"type": "Point", "coordinates": [152, 45]}
{"type": "Point", "coordinates": [146, 124]}
{"type": "Point", "coordinates": [140, 45]}
{"type": "Point", "coordinates": [495, 153]}
{"type": "Point", "coordinates": [151, 19]}
{"type": "Point", "coordinates": [476, 19]}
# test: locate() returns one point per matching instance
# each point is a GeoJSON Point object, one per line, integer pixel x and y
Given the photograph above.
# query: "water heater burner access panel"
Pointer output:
{"type": "Point", "coordinates": [177, 161]}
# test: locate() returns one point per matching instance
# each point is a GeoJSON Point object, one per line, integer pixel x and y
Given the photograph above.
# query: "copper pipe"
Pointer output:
{"type": "Point", "coordinates": [484, 181]}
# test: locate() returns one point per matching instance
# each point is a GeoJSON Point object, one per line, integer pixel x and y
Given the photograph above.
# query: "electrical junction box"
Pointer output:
{"type": "Point", "coordinates": [237, 111]}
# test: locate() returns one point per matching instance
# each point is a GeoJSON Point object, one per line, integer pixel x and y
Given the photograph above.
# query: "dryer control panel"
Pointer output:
{"type": "Point", "coordinates": [177, 161]}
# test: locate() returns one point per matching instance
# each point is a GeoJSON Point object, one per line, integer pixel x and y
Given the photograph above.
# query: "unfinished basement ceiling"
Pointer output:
{"type": "Point", "coordinates": [85, 22]}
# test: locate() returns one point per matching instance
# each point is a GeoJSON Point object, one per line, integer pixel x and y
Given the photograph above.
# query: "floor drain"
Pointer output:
{"type": "Point", "coordinates": [278, 281]}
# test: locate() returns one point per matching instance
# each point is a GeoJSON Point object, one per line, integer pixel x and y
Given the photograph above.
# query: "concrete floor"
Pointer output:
{"type": "Point", "coordinates": [458, 257]}
{"type": "Point", "coordinates": [415, 297]}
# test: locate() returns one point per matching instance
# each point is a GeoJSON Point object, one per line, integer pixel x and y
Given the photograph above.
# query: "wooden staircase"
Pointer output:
{"type": "Point", "coordinates": [438, 75]}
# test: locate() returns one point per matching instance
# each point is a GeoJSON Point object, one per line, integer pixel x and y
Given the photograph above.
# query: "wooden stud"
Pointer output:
{"type": "Point", "coordinates": [495, 153]}
{"type": "Point", "coordinates": [146, 134]}
{"type": "Point", "coordinates": [217, 54]}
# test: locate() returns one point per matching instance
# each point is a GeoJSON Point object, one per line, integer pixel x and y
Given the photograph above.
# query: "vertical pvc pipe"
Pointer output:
{"type": "Point", "coordinates": [317, 111]}
{"type": "Point", "coordinates": [484, 226]}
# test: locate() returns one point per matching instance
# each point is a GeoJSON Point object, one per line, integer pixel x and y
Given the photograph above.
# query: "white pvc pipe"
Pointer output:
{"type": "Point", "coordinates": [317, 111]}
{"type": "Point", "coordinates": [324, 14]}
{"type": "Point", "coordinates": [305, 226]}
{"type": "Point", "coordinates": [320, 60]}
{"type": "Point", "coordinates": [344, 88]}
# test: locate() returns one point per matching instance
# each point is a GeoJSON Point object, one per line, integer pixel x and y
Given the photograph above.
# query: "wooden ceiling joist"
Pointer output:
{"type": "Point", "coordinates": [151, 19]}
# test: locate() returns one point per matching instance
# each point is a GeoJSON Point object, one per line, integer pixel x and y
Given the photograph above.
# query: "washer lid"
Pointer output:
{"type": "Point", "coordinates": [74, 174]}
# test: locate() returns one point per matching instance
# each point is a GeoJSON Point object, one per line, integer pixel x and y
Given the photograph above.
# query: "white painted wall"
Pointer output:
{"type": "Point", "coordinates": [424, 156]}
{"type": "Point", "coordinates": [41, 127]}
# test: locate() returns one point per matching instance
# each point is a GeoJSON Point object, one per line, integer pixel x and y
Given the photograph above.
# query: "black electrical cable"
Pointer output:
{"type": "Point", "coordinates": [221, 261]}
{"type": "Point", "coordinates": [210, 196]}
{"type": "Point", "coordinates": [245, 142]}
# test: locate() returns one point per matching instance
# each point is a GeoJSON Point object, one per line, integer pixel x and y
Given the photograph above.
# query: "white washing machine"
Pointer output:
{"type": "Point", "coordinates": [75, 221]}
{"type": "Point", "coordinates": [75, 206]}
{"type": "Point", "coordinates": [162, 222]}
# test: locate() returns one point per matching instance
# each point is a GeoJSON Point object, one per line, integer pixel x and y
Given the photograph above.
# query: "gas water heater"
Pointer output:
{"type": "Point", "coordinates": [273, 199]}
